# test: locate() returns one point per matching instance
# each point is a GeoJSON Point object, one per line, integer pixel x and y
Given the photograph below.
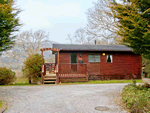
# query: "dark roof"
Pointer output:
{"type": "Point", "coordinates": [82, 47]}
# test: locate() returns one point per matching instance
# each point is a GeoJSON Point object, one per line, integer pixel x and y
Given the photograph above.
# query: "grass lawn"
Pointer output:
{"type": "Point", "coordinates": [105, 82]}
{"type": "Point", "coordinates": [24, 82]}
{"type": "Point", "coordinates": [20, 81]}
{"type": "Point", "coordinates": [17, 84]}
{"type": "Point", "coordinates": [0, 103]}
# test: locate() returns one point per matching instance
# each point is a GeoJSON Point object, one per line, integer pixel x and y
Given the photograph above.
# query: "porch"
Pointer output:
{"type": "Point", "coordinates": [62, 72]}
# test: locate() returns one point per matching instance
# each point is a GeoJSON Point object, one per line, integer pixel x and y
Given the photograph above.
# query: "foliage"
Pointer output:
{"type": "Point", "coordinates": [136, 98]}
{"type": "Point", "coordinates": [134, 24]}
{"type": "Point", "coordinates": [19, 84]}
{"type": "Point", "coordinates": [6, 76]}
{"type": "Point", "coordinates": [0, 103]}
{"type": "Point", "coordinates": [146, 63]}
{"type": "Point", "coordinates": [134, 82]}
{"type": "Point", "coordinates": [32, 67]}
{"type": "Point", "coordinates": [9, 23]}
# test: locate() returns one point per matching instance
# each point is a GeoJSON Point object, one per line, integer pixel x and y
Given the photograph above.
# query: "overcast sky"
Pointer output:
{"type": "Point", "coordinates": [58, 17]}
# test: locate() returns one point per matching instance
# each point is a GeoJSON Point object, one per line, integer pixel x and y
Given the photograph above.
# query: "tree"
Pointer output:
{"type": "Point", "coordinates": [101, 26]}
{"type": "Point", "coordinates": [134, 24]}
{"type": "Point", "coordinates": [9, 23]}
{"type": "Point", "coordinates": [101, 23]}
{"type": "Point", "coordinates": [32, 67]}
{"type": "Point", "coordinates": [27, 43]}
{"type": "Point", "coordinates": [80, 36]}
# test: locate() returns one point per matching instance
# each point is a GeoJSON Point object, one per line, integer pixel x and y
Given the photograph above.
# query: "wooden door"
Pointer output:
{"type": "Point", "coordinates": [73, 62]}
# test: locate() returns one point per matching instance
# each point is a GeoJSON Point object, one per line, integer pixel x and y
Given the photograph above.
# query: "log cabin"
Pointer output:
{"type": "Point", "coordinates": [76, 62]}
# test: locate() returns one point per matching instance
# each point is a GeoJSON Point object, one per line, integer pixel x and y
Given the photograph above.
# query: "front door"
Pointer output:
{"type": "Point", "coordinates": [73, 62]}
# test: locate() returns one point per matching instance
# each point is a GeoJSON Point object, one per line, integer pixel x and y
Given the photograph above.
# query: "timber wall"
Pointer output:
{"type": "Point", "coordinates": [124, 64]}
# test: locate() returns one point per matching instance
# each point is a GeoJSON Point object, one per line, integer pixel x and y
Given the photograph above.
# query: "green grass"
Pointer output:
{"type": "Point", "coordinates": [20, 81]}
{"type": "Point", "coordinates": [105, 82]}
{"type": "Point", "coordinates": [24, 82]}
{"type": "Point", "coordinates": [19, 84]}
{"type": "Point", "coordinates": [0, 103]}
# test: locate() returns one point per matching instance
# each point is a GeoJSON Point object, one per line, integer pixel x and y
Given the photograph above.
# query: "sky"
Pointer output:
{"type": "Point", "coordinates": [57, 17]}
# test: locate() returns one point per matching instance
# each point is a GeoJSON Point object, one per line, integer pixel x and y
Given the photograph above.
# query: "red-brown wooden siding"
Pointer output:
{"type": "Point", "coordinates": [124, 63]}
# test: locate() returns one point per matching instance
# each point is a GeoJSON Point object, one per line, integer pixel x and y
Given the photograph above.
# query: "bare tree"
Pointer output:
{"type": "Point", "coordinates": [51, 59]}
{"type": "Point", "coordinates": [83, 36]}
{"type": "Point", "coordinates": [31, 42]}
{"type": "Point", "coordinates": [101, 26]}
{"type": "Point", "coordinates": [80, 36]}
{"type": "Point", "coordinates": [27, 43]}
{"type": "Point", "coordinates": [101, 22]}
{"type": "Point", "coordinates": [70, 38]}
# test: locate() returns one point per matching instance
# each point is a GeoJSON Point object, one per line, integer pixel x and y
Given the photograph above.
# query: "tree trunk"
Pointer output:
{"type": "Point", "coordinates": [29, 80]}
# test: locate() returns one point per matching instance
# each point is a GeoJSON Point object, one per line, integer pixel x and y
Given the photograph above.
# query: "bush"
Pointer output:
{"type": "Point", "coordinates": [32, 67]}
{"type": "Point", "coordinates": [137, 98]}
{"type": "Point", "coordinates": [146, 70]}
{"type": "Point", "coordinates": [6, 76]}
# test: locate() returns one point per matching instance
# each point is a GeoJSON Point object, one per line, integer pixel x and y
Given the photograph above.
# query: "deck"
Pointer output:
{"type": "Point", "coordinates": [64, 73]}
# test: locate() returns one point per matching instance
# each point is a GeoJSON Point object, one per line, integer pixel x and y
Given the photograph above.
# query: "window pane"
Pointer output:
{"type": "Point", "coordinates": [91, 58]}
{"type": "Point", "coordinates": [73, 58]}
{"type": "Point", "coordinates": [109, 58]}
{"type": "Point", "coordinates": [97, 58]}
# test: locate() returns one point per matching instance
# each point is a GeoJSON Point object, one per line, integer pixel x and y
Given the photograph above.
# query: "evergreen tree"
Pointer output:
{"type": "Point", "coordinates": [134, 24]}
{"type": "Point", "coordinates": [9, 23]}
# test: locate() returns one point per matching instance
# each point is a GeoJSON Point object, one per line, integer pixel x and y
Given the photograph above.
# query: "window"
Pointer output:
{"type": "Point", "coordinates": [97, 58]}
{"type": "Point", "coordinates": [94, 58]}
{"type": "Point", "coordinates": [109, 58]}
{"type": "Point", "coordinates": [91, 58]}
{"type": "Point", "coordinates": [73, 58]}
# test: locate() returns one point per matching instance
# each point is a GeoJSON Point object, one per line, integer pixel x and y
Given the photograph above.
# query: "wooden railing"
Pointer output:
{"type": "Point", "coordinates": [51, 67]}
{"type": "Point", "coordinates": [65, 69]}
{"type": "Point", "coordinates": [74, 68]}
{"type": "Point", "coordinates": [43, 73]}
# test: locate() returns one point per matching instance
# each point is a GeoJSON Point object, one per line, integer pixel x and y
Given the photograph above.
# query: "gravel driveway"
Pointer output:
{"type": "Point", "coordinates": [62, 98]}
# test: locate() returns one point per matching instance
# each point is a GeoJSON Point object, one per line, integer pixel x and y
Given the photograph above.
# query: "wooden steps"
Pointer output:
{"type": "Point", "coordinates": [49, 82]}
{"type": "Point", "coordinates": [49, 79]}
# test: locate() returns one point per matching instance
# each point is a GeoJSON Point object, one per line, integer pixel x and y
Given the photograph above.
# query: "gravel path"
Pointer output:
{"type": "Point", "coordinates": [62, 98]}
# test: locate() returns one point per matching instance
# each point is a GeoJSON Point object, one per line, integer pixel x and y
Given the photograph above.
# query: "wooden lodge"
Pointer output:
{"type": "Point", "coordinates": [75, 62]}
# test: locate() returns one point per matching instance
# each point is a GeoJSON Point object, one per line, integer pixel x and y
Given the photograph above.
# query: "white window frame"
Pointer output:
{"type": "Point", "coordinates": [111, 57]}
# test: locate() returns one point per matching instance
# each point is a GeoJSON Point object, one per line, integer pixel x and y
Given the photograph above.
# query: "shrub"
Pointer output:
{"type": "Point", "coordinates": [32, 67]}
{"type": "Point", "coordinates": [0, 103]}
{"type": "Point", "coordinates": [6, 76]}
{"type": "Point", "coordinates": [134, 81]}
{"type": "Point", "coordinates": [146, 70]}
{"type": "Point", "coordinates": [136, 98]}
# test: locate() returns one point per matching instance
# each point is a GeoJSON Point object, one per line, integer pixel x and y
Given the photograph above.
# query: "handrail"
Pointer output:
{"type": "Point", "coordinates": [68, 68]}
{"type": "Point", "coordinates": [57, 74]}
{"type": "Point", "coordinates": [50, 67]}
{"type": "Point", "coordinates": [71, 63]}
{"type": "Point", "coordinates": [43, 72]}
